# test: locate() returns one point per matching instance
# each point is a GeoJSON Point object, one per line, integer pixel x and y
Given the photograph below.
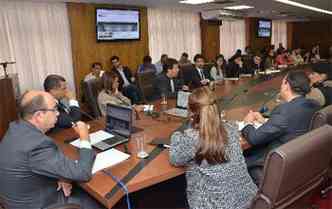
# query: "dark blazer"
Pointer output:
{"type": "Point", "coordinates": [195, 78]}
{"type": "Point", "coordinates": [67, 115]}
{"type": "Point", "coordinates": [286, 122]}
{"type": "Point", "coordinates": [127, 73]}
{"type": "Point", "coordinates": [233, 70]}
{"type": "Point", "coordinates": [31, 164]}
{"type": "Point", "coordinates": [326, 91]}
{"type": "Point", "coordinates": [162, 85]}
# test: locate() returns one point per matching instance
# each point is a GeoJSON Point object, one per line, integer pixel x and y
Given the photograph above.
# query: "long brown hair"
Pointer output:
{"type": "Point", "coordinates": [107, 81]}
{"type": "Point", "coordinates": [205, 117]}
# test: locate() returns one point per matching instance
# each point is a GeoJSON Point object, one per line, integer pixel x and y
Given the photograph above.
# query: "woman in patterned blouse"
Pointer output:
{"type": "Point", "coordinates": [216, 172]}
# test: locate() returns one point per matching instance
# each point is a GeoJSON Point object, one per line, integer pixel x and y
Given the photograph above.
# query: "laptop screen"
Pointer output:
{"type": "Point", "coordinates": [182, 99]}
{"type": "Point", "coordinates": [118, 119]}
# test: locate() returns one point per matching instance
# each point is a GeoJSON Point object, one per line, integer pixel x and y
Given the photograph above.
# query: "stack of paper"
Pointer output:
{"type": "Point", "coordinates": [108, 158]}
{"type": "Point", "coordinates": [94, 138]}
{"type": "Point", "coordinates": [242, 124]}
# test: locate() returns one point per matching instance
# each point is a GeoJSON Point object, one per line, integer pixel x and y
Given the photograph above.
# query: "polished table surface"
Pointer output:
{"type": "Point", "coordinates": [236, 98]}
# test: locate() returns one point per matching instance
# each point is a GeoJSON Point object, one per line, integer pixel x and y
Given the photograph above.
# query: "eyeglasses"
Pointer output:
{"type": "Point", "coordinates": [55, 109]}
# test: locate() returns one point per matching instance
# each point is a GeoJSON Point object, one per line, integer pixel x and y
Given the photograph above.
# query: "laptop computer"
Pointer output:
{"type": "Point", "coordinates": [181, 105]}
{"type": "Point", "coordinates": [119, 122]}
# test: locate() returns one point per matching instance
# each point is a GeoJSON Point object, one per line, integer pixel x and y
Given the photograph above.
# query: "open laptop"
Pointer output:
{"type": "Point", "coordinates": [119, 122]}
{"type": "Point", "coordinates": [181, 105]}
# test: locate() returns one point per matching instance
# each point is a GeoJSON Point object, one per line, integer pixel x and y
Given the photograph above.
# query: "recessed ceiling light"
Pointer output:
{"type": "Point", "coordinates": [196, 1]}
{"type": "Point", "coordinates": [296, 4]}
{"type": "Point", "coordinates": [239, 7]}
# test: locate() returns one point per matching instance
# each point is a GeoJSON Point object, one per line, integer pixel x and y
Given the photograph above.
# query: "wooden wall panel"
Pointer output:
{"type": "Point", "coordinates": [8, 111]}
{"type": "Point", "coordinates": [307, 34]}
{"type": "Point", "coordinates": [210, 40]}
{"type": "Point", "coordinates": [86, 49]}
{"type": "Point", "coordinates": [252, 40]}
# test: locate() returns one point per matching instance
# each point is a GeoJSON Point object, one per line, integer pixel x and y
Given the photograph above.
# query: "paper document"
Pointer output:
{"type": "Point", "coordinates": [231, 79]}
{"type": "Point", "coordinates": [94, 138]}
{"type": "Point", "coordinates": [242, 124]}
{"type": "Point", "coordinates": [107, 159]}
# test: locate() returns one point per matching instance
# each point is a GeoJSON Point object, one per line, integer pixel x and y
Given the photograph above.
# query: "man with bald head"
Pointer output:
{"type": "Point", "coordinates": [33, 169]}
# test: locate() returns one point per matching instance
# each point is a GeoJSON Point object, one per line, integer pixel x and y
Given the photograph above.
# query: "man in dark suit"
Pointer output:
{"type": "Point", "coordinates": [320, 80]}
{"type": "Point", "coordinates": [234, 67]}
{"type": "Point", "coordinates": [167, 83]}
{"type": "Point", "coordinates": [199, 76]}
{"type": "Point", "coordinates": [126, 81]}
{"type": "Point", "coordinates": [32, 168]}
{"type": "Point", "coordinates": [56, 85]}
{"type": "Point", "coordinates": [287, 121]}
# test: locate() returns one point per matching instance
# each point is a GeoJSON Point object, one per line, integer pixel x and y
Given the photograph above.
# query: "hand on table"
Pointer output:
{"type": "Point", "coordinates": [66, 187]}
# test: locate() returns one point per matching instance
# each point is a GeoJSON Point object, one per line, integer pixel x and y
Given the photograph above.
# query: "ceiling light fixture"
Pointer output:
{"type": "Point", "coordinates": [196, 1]}
{"type": "Point", "coordinates": [296, 4]}
{"type": "Point", "coordinates": [239, 7]}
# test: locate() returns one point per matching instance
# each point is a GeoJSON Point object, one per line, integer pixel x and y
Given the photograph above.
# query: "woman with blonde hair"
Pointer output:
{"type": "Point", "coordinates": [216, 174]}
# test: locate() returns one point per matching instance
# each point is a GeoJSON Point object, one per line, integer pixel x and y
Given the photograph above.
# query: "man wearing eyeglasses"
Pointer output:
{"type": "Point", "coordinates": [69, 113]}
{"type": "Point", "coordinates": [34, 173]}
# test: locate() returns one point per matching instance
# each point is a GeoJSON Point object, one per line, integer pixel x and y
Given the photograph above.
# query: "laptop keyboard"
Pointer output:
{"type": "Point", "coordinates": [109, 143]}
{"type": "Point", "coordinates": [178, 112]}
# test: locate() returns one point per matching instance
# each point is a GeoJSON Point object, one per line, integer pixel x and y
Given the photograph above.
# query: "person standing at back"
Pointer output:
{"type": "Point", "coordinates": [32, 166]}
{"type": "Point", "coordinates": [216, 172]}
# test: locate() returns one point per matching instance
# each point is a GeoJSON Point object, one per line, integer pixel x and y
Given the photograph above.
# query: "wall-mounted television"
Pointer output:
{"type": "Point", "coordinates": [117, 24]}
{"type": "Point", "coordinates": [264, 28]}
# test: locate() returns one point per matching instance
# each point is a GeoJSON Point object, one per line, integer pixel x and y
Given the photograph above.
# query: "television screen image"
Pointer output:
{"type": "Point", "coordinates": [117, 24]}
{"type": "Point", "coordinates": [264, 28]}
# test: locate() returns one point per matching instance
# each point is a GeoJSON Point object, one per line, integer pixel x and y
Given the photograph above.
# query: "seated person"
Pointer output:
{"type": "Point", "coordinates": [281, 58]}
{"type": "Point", "coordinates": [159, 65]}
{"type": "Point", "coordinates": [320, 76]}
{"type": "Point", "coordinates": [33, 168]}
{"type": "Point", "coordinates": [216, 173]}
{"type": "Point", "coordinates": [56, 85]}
{"type": "Point", "coordinates": [269, 60]}
{"type": "Point", "coordinates": [147, 65]}
{"type": "Point", "coordinates": [286, 122]}
{"type": "Point", "coordinates": [96, 72]}
{"type": "Point", "coordinates": [184, 59]}
{"type": "Point", "coordinates": [251, 65]}
{"type": "Point", "coordinates": [296, 57]}
{"type": "Point", "coordinates": [199, 76]}
{"type": "Point", "coordinates": [126, 81]}
{"type": "Point", "coordinates": [168, 83]}
{"type": "Point", "coordinates": [218, 70]}
{"type": "Point", "coordinates": [110, 94]}
{"type": "Point", "coordinates": [234, 67]}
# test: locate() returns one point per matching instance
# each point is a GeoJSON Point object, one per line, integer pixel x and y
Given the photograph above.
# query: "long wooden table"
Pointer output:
{"type": "Point", "coordinates": [237, 98]}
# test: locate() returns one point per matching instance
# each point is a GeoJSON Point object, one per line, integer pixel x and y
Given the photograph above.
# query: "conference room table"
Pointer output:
{"type": "Point", "coordinates": [236, 98]}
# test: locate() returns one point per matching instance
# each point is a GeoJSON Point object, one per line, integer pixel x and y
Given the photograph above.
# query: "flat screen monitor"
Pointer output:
{"type": "Point", "coordinates": [117, 24]}
{"type": "Point", "coordinates": [264, 28]}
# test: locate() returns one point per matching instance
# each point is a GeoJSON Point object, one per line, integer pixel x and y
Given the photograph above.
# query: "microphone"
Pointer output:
{"type": "Point", "coordinates": [4, 65]}
{"type": "Point", "coordinates": [7, 63]}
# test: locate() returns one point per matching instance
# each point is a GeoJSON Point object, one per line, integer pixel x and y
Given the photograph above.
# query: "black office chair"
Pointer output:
{"type": "Point", "coordinates": [145, 83]}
